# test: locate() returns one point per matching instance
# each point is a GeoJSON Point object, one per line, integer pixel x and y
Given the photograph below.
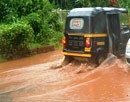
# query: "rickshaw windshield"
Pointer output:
{"type": "Point", "coordinates": [78, 25]}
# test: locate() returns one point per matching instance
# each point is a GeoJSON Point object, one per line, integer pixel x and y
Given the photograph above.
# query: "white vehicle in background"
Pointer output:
{"type": "Point", "coordinates": [127, 53]}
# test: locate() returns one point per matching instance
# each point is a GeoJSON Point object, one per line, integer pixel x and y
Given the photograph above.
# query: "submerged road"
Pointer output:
{"type": "Point", "coordinates": [34, 79]}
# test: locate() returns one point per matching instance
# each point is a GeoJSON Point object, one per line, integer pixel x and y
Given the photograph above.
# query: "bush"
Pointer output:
{"type": "Point", "coordinates": [56, 39]}
{"type": "Point", "coordinates": [35, 21]}
{"type": "Point", "coordinates": [44, 26]}
{"type": "Point", "coordinates": [36, 25]}
{"type": "Point", "coordinates": [49, 25]}
{"type": "Point", "coordinates": [15, 38]}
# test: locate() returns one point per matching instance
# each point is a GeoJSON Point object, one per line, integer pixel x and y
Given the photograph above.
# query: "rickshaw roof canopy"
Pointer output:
{"type": "Point", "coordinates": [95, 10]}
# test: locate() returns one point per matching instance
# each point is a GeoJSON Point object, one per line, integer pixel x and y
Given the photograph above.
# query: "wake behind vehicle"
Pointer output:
{"type": "Point", "coordinates": [92, 33]}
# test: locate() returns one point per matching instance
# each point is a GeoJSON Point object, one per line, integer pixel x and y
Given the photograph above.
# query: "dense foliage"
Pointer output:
{"type": "Point", "coordinates": [14, 9]}
{"type": "Point", "coordinates": [69, 4]}
{"type": "Point", "coordinates": [14, 38]}
{"type": "Point", "coordinates": [26, 25]}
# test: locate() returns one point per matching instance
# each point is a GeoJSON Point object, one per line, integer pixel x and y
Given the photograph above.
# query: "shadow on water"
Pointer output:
{"type": "Point", "coordinates": [33, 60]}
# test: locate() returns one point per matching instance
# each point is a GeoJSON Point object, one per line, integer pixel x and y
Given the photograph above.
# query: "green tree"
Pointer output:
{"type": "Point", "coordinates": [15, 9]}
{"type": "Point", "coordinates": [69, 4]}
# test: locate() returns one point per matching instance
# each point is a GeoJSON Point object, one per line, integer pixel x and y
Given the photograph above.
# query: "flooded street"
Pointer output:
{"type": "Point", "coordinates": [34, 80]}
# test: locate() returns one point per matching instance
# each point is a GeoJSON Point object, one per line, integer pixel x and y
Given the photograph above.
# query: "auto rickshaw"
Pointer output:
{"type": "Point", "coordinates": [91, 33]}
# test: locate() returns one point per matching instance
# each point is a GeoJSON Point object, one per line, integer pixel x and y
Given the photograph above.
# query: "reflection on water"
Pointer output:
{"type": "Point", "coordinates": [32, 79]}
{"type": "Point", "coordinates": [37, 59]}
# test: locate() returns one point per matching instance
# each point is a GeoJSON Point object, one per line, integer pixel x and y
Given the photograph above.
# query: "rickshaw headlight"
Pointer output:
{"type": "Point", "coordinates": [128, 49]}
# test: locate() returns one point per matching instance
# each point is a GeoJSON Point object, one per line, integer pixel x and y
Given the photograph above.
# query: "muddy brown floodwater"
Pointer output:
{"type": "Point", "coordinates": [34, 80]}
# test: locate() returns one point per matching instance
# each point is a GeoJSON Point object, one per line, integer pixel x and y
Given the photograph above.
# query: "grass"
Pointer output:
{"type": "Point", "coordinates": [2, 59]}
{"type": "Point", "coordinates": [34, 45]}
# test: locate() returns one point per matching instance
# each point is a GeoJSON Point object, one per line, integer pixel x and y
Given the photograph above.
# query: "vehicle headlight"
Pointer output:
{"type": "Point", "coordinates": [128, 49]}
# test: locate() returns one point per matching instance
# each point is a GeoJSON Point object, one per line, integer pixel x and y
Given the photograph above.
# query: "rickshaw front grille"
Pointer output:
{"type": "Point", "coordinates": [75, 43]}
